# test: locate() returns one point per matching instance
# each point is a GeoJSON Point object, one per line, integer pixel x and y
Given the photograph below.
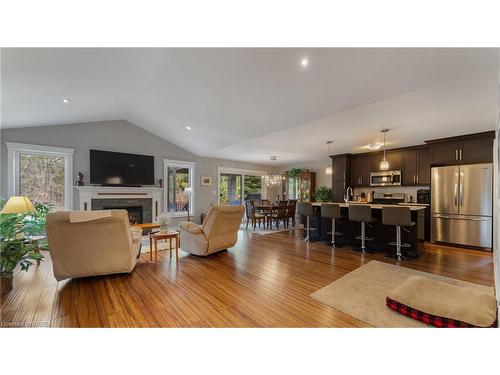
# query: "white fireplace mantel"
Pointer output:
{"type": "Point", "coordinates": [85, 194]}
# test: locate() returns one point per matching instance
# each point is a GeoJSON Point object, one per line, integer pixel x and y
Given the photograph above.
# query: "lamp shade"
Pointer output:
{"type": "Point", "coordinates": [17, 205]}
{"type": "Point", "coordinates": [188, 191]}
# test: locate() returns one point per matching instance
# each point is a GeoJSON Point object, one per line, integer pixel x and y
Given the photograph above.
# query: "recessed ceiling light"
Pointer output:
{"type": "Point", "coordinates": [374, 146]}
{"type": "Point", "coordinates": [66, 100]}
{"type": "Point", "coordinates": [188, 127]}
{"type": "Point", "coordinates": [304, 62]}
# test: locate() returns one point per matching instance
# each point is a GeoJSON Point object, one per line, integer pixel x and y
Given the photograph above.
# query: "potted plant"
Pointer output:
{"type": "Point", "coordinates": [294, 172]}
{"type": "Point", "coordinates": [323, 194]}
{"type": "Point", "coordinates": [13, 248]}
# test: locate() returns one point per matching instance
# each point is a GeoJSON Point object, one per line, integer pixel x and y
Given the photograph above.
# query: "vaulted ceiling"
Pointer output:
{"type": "Point", "coordinates": [248, 104]}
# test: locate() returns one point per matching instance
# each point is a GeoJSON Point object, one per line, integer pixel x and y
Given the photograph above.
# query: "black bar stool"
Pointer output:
{"type": "Point", "coordinates": [363, 214]}
{"type": "Point", "coordinates": [399, 217]}
{"type": "Point", "coordinates": [331, 211]}
{"type": "Point", "coordinates": [306, 209]}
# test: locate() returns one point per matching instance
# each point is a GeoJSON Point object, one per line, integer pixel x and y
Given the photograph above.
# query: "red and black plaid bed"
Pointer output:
{"type": "Point", "coordinates": [434, 320]}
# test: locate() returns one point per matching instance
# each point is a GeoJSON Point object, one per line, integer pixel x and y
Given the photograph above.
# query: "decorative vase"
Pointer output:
{"type": "Point", "coordinates": [5, 284]}
{"type": "Point", "coordinates": [164, 222]}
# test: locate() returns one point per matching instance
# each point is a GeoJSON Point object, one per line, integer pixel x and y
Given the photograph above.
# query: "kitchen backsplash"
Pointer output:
{"type": "Point", "coordinates": [409, 191]}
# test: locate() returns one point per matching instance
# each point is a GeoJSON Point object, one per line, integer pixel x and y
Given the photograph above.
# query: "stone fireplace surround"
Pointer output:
{"type": "Point", "coordinates": [98, 197]}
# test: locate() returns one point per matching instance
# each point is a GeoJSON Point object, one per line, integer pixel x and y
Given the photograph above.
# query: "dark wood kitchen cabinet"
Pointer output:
{"type": "Point", "coordinates": [424, 166]}
{"type": "Point", "coordinates": [479, 150]}
{"type": "Point", "coordinates": [361, 167]}
{"type": "Point", "coordinates": [473, 148]}
{"type": "Point", "coordinates": [394, 157]}
{"type": "Point", "coordinates": [340, 176]}
{"type": "Point", "coordinates": [409, 172]}
{"type": "Point", "coordinates": [416, 166]}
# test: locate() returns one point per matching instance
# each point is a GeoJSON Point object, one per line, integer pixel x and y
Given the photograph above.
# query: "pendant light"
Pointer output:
{"type": "Point", "coordinates": [384, 164]}
{"type": "Point", "coordinates": [273, 179]}
{"type": "Point", "coordinates": [329, 170]}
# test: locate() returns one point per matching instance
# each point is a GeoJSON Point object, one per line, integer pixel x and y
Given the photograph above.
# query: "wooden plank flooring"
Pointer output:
{"type": "Point", "coordinates": [265, 281]}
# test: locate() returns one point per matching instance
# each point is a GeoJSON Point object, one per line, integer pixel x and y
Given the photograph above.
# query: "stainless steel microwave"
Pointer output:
{"type": "Point", "coordinates": [385, 178]}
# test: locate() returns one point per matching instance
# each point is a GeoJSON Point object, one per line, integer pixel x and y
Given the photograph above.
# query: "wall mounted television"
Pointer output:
{"type": "Point", "coordinates": [121, 169]}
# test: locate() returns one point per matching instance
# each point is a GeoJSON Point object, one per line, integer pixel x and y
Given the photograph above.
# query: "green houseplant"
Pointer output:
{"type": "Point", "coordinates": [13, 248]}
{"type": "Point", "coordinates": [294, 172]}
{"type": "Point", "coordinates": [323, 194]}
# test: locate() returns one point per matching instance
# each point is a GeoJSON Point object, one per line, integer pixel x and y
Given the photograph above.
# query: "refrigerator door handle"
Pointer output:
{"type": "Point", "coordinates": [455, 190]}
{"type": "Point", "coordinates": [461, 189]}
{"type": "Point", "coordinates": [440, 216]}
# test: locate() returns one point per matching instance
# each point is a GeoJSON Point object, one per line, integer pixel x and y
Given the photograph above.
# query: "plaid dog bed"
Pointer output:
{"type": "Point", "coordinates": [437, 321]}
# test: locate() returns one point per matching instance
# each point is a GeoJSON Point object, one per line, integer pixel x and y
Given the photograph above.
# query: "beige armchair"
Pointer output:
{"type": "Point", "coordinates": [92, 243]}
{"type": "Point", "coordinates": [218, 232]}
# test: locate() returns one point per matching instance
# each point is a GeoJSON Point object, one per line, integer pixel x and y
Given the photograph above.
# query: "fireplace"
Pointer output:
{"type": "Point", "coordinates": [135, 213]}
{"type": "Point", "coordinates": [139, 210]}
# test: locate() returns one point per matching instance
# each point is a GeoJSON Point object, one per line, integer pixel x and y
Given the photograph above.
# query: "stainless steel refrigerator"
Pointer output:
{"type": "Point", "coordinates": [462, 205]}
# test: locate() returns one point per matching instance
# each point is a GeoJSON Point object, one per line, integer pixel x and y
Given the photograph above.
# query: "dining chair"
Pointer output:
{"type": "Point", "coordinates": [264, 202]}
{"type": "Point", "coordinates": [290, 212]}
{"type": "Point", "coordinates": [279, 215]}
{"type": "Point", "coordinates": [252, 214]}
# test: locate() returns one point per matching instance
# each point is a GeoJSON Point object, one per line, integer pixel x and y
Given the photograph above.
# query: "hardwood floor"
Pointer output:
{"type": "Point", "coordinates": [265, 281]}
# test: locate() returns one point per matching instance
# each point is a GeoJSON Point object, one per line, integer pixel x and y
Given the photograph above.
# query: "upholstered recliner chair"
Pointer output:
{"type": "Point", "coordinates": [92, 243]}
{"type": "Point", "coordinates": [218, 232]}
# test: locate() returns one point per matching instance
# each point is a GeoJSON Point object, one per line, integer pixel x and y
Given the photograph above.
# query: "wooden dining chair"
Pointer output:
{"type": "Point", "coordinates": [290, 212]}
{"type": "Point", "coordinates": [253, 215]}
{"type": "Point", "coordinates": [264, 202]}
{"type": "Point", "coordinates": [279, 215]}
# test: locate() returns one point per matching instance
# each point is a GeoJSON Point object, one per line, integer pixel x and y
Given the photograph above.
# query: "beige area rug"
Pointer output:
{"type": "Point", "coordinates": [361, 293]}
{"type": "Point", "coordinates": [261, 231]}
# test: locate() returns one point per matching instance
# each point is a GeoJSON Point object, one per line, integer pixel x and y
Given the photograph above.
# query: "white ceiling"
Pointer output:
{"type": "Point", "coordinates": [247, 104]}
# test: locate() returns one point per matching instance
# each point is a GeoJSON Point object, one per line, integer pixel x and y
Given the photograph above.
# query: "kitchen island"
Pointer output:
{"type": "Point", "coordinates": [382, 234]}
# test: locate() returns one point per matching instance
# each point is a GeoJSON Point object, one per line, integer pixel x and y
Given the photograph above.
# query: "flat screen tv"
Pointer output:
{"type": "Point", "coordinates": [121, 169]}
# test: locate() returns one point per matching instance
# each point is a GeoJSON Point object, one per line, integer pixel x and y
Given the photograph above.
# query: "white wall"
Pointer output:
{"type": "Point", "coordinates": [496, 213]}
{"type": "Point", "coordinates": [317, 166]}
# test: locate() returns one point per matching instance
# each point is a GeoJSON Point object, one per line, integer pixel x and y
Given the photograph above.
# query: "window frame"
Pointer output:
{"type": "Point", "coordinates": [14, 149]}
{"type": "Point", "coordinates": [192, 169]}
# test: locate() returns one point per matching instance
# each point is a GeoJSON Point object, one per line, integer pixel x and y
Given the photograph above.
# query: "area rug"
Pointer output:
{"type": "Point", "coordinates": [362, 292]}
{"type": "Point", "coordinates": [261, 231]}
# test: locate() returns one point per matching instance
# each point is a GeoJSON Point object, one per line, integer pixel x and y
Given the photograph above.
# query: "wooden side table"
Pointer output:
{"type": "Point", "coordinates": [155, 237]}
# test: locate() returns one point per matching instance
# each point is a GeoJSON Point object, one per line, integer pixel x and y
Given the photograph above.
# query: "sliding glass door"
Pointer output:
{"type": "Point", "coordinates": [235, 187]}
{"type": "Point", "coordinates": [230, 189]}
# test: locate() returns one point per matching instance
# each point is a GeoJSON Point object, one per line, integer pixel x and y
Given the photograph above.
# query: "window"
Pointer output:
{"type": "Point", "coordinates": [237, 185]}
{"type": "Point", "coordinates": [178, 176]}
{"type": "Point", "coordinates": [42, 173]}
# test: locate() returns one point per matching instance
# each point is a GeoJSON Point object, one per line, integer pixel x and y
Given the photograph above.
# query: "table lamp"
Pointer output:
{"type": "Point", "coordinates": [18, 205]}
{"type": "Point", "coordinates": [189, 192]}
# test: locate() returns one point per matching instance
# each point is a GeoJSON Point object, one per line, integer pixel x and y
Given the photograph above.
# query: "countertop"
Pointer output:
{"type": "Point", "coordinates": [413, 206]}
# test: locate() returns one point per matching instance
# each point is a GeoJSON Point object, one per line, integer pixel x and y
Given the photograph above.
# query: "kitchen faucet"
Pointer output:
{"type": "Point", "coordinates": [347, 195]}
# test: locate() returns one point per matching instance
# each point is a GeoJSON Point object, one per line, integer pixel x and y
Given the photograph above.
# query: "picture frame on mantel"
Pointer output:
{"type": "Point", "coordinates": [206, 181]}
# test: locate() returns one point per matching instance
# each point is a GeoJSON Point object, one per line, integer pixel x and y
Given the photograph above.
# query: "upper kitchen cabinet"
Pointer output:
{"type": "Point", "coordinates": [361, 165]}
{"type": "Point", "coordinates": [424, 166]}
{"type": "Point", "coordinates": [416, 166]}
{"type": "Point", "coordinates": [473, 148]}
{"type": "Point", "coordinates": [394, 157]}
{"type": "Point", "coordinates": [340, 167]}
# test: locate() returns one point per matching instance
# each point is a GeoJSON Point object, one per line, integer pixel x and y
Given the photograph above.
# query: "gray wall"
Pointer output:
{"type": "Point", "coordinates": [120, 136]}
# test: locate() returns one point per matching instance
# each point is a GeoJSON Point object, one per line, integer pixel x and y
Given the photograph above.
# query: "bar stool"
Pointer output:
{"type": "Point", "coordinates": [363, 214]}
{"type": "Point", "coordinates": [306, 209]}
{"type": "Point", "coordinates": [399, 217]}
{"type": "Point", "coordinates": [331, 211]}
